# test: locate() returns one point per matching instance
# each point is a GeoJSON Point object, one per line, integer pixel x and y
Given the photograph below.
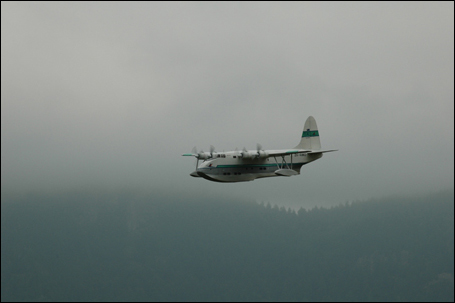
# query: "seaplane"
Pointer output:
{"type": "Point", "coordinates": [248, 165]}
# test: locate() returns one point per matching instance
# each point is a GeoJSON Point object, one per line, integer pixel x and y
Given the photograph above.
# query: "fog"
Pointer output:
{"type": "Point", "coordinates": [102, 96]}
{"type": "Point", "coordinates": [120, 246]}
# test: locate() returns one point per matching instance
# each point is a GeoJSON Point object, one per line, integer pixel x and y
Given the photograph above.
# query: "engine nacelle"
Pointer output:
{"type": "Point", "coordinates": [261, 154]}
{"type": "Point", "coordinates": [248, 155]}
{"type": "Point", "coordinates": [203, 156]}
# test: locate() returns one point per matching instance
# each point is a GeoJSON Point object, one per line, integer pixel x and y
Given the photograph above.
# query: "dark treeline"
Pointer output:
{"type": "Point", "coordinates": [129, 248]}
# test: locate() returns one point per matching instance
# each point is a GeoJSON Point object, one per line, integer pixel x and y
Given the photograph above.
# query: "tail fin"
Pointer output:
{"type": "Point", "coordinates": [310, 136]}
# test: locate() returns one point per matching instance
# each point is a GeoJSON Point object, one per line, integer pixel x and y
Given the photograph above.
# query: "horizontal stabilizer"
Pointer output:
{"type": "Point", "coordinates": [322, 151]}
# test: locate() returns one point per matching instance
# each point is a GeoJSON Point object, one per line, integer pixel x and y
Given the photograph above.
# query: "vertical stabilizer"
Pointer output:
{"type": "Point", "coordinates": [310, 136]}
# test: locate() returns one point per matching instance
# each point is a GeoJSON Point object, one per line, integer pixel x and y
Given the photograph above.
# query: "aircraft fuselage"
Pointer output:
{"type": "Point", "coordinates": [229, 167]}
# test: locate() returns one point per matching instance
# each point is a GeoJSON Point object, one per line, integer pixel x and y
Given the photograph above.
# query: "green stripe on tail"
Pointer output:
{"type": "Point", "coordinates": [310, 133]}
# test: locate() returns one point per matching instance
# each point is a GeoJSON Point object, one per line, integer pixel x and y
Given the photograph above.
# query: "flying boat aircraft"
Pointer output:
{"type": "Point", "coordinates": [248, 165]}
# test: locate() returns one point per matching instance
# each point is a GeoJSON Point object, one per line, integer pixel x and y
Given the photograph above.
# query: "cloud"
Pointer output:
{"type": "Point", "coordinates": [113, 94]}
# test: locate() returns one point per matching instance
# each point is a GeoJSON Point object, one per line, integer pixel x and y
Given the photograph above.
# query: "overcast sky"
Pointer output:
{"type": "Point", "coordinates": [109, 95]}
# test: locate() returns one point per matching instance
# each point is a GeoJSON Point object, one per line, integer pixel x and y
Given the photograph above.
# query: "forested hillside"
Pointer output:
{"type": "Point", "coordinates": [126, 247]}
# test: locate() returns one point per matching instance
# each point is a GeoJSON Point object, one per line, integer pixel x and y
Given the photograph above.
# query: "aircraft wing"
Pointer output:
{"type": "Point", "coordinates": [287, 152]}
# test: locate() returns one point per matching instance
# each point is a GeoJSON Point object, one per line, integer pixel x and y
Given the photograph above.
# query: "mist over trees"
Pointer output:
{"type": "Point", "coordinates": [126, 247]}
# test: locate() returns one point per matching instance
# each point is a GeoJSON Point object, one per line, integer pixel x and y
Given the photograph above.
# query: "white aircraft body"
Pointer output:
{"type": "Point", "coordinates": [248, 165]}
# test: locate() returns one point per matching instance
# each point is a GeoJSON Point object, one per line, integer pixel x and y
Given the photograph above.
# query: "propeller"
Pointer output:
{"type": "Point", "coordinates": [201, 155]}
{"type": "Point", "coordinates": [246, 154]}
{"type": "Point", "coordinates": [237, 153]}
{"type": "Point", "coordinates": [260, 152]}
{"type": "Point", "coordinates": [195, 154]}
{"type": "Point", "coordinates": [212, 150]}
{"type": "Point", "coordinates": [194, 151]}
